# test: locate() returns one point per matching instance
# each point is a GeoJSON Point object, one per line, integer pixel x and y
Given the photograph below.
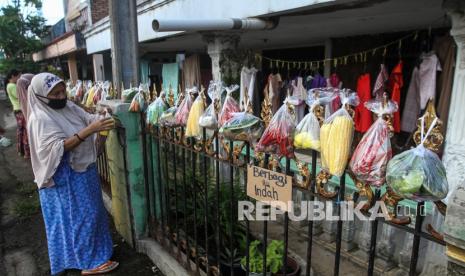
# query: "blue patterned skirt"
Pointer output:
{"type": "Point", "coordinates": [76, 222]}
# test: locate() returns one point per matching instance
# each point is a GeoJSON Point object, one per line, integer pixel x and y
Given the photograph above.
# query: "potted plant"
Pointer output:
{"type": "Point", "coordinates": [274, 259]}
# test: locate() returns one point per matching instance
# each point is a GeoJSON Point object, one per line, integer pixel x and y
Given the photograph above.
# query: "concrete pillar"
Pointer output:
{"type": "Point", "coordinates": [328, 55]}
{"type": "Point", "coordinates": [99, 72]}
{"type": "Point", "coordinates": [216, 44]}
{"type": "Point", "coordinates": [124, 43]}
{"type": "Point", "coordinates": [72, 68]}
{"type": "Point", "coordinates": [454, 152]}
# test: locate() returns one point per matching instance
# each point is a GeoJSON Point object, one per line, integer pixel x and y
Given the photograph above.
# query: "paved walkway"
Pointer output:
{"type": "Point", "coordinates": [23, 247]}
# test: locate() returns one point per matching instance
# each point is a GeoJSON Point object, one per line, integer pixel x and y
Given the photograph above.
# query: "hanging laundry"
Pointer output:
{"type": "Point", "coordinates": [362, 118]}
{"type": "Point", "coordinates": [445, 49]}
{"type": "Point", "coordinates": [170, 75]}
{"type": "Point", "coordinates": [299, 91]}
{"type": "Point", "coordinates": [334, 81]}
{"type": "Point", "coordinates": [396, 82]}
{"type": "Point", "coordinates": [412, 104]}
{"type": "Point", "coordinates": [422, 88]}
{"type": "Point", "coordinates": [380, 83]}
{"type": "Point", "coordinates": [274, 87]}
{"type": "Point", "coordinates": [318, 81]}
{"type": "Point", "coordinates": [248, 77]}
{"type": "Point", "coordinates": [191, 71]}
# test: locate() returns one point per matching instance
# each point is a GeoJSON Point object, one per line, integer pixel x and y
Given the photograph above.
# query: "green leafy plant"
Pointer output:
{"type": "Point", "coordinates": [274, 257]}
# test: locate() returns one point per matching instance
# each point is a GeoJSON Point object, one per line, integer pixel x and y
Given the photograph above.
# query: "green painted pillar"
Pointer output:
{"type": "Point", "coordinates": [125, 158]}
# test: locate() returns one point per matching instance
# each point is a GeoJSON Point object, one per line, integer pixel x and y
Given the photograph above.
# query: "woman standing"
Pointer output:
{"type": "Point", "coordinates": [21, 134]}
{"type": "Point", "coordinates": [63, 159]}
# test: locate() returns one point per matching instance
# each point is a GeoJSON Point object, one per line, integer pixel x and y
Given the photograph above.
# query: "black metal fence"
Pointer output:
{"type": "Point", "coordinates": [103, 168]}
{"type": "Point", "coordinates": [195, 186]}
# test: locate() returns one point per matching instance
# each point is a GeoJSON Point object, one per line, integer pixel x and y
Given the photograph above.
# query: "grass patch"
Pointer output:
{"type": "Point", "coordinates": [28, 206]}
{"type": "Point", "coordinates": [27, 188]}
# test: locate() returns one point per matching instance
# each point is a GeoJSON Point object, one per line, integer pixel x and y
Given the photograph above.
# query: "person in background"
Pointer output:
{"type": "Point", "coordinates": [21, 134]}
{"type": "Point", "coordinates": [63, 157]}
{"type": "Point", "coordinates": [21, 91]}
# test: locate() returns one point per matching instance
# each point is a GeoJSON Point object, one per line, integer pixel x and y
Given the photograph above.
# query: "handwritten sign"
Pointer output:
{"type": "Point", "coordinates": [269, 186]}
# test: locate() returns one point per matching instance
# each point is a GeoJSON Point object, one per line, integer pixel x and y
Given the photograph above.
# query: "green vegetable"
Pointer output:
{"type": "Point", "coordinates": [274, 257]}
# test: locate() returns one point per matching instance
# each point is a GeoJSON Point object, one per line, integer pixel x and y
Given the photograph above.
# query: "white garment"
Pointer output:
{"type": "Point", "coordinates": [298, 90]}
{"type": "Point", "coordinates": [48, 128]}
{"type": "Point", "coordinates": [427, 77]}
{"type": "Point", "coordinates": [248, 76]}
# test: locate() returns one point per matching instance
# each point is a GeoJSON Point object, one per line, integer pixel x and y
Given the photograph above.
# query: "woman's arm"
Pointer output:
{"type": "Point", "coordinates": [97, 126]}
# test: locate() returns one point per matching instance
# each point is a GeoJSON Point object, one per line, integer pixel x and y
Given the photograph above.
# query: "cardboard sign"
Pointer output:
{"type": "Point", "coordinates": [269, 186]}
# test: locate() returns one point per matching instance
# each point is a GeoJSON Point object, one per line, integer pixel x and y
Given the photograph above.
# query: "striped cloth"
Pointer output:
{"type": "Point", "coordinates": [380, 83]}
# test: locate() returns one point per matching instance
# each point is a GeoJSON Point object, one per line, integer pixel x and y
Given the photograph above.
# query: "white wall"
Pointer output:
{"type": "Point", "coordinates": [194, 9]}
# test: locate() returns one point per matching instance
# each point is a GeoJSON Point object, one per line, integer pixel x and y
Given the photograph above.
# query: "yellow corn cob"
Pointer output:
{"type": "Point", "coordinates": [336, 139]}
{"type": "Point", "coordinates": [192, 126]}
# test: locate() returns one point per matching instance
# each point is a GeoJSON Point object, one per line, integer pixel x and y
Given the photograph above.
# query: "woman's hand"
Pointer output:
{"type": "Point", "coordinates": [102, 124]}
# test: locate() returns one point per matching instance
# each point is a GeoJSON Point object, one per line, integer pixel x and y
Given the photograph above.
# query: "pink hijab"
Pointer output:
{"type": "Point", "coordinates": [21, 88]}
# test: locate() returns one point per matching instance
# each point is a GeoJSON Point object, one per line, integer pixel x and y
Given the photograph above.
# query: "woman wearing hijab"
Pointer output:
{"type": "Point", "coordinates": [21, 91]}
{"type": "Point", "coordinates": [63, 159]}
{"type": "Point", "coordinates": [21, 135]}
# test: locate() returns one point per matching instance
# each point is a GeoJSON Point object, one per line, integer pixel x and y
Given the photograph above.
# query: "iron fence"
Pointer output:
{"type": "Point", "coordinates": [194, 187]}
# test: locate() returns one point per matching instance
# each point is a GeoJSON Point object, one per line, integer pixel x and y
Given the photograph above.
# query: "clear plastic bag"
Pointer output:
{"type": "Point", "coordinates": [128, 94]}
{"type": "Point", "coordinates": [373, 153]}
{"type": "Point", "coordinates": [307, 134]}
{"type": "Point", "coordinates": [78, 91]}
{"type": "Point", "coordinates": [209, 119]}
{"type": "Point", "coordinates": [278, 136]}
{"type": "Point", "coordinates": [184, 107]}
{"type": "Point", "coordinates": [193, 128]}
{"type": "Point", "coordinates": [336, 135]}
{"type": "Point", "coordinates": [418, 174]}
{"type": "Point", "coordinates": [167, 118]}
{"type": "Point", "coordinates": [243, 126]}
{"type": "Point", "coordinates": [230, 105]}
{"type": "Point", "coordinates": [155, 109]}
{"type": "Point", "coordinates": [138, 102]}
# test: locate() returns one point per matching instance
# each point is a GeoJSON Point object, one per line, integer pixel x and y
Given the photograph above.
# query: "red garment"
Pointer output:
{"type": "Point", "coordinates": [396, 82]}
{"type": "Point", "coordinates": [362, 116]}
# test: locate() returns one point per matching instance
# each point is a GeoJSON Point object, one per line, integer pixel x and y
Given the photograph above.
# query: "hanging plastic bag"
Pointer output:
{"type": "Point", "coordinates": [138, 102]}
{"type": "Point", "coordinates": [418, 174]}
{"type": "Point", "coordinates": [336, 136]}
{"type": "Point", "coordinates": [307, 134]}
{"type": "Point", "coordinates": [155, 109]}
{"type": "Point", "coordinates": [230, 105]}
{"type": "Point", "coordinates": [184, 108]}
{"type": "Point", "coordinates": [79, 91]}
{"type": "Point", "coordinates": [128, 94]}
{"type": "Point", "coordinates": [278, 136]}
{"type": "Point", "coordinates": [243, 126]}
{"type": "Point", "coordinates": [90, 96]}
{"type": "Point", "coordinates": [209, 118]}
{"type": "Point", "coordinates": [167, 118]}
{"type": "Point", "coordinates": [373, 153]}
{"type": "Point", "coordinates": [193, 128]}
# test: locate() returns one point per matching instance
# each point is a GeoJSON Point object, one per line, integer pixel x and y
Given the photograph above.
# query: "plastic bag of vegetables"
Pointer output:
{"type": "Point", "coordinates": [209, 119]}
{"type": "Point", "coordinates": [155, 109]}
{"type": "Point", "coordinates": [230, 105]}
{"type": "Point", "coordinates": [307, 134]}
{"type": "Point", "coordinates": [167, 118]}
{"type": "Point", "coordinates": [243, 126]}
{"type": "Point", "coordinates": [336, 136]}
{"type": "Point", "coordinates": [182, 114]}
{"type": "Point", "coordinates": [128, 94]}
{"type": "Point", "coordinates": [278, 136]}
{"type": "Point", "coordinates": [373, 153]}
{"type": "Point", "coordinates": [193, 128]}
{"type": "Point", "coordinates": [418, 174]}
{"type": "Point", "coordinates": [138, 102]}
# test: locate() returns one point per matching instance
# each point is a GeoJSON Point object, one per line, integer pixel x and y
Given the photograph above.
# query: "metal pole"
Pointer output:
{"type": "Point", "coordinates": [124, 43]}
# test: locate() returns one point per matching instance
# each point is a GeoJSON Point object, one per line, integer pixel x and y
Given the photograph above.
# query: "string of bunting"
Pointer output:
{"type": "Point", "coordinates": [361, 56]}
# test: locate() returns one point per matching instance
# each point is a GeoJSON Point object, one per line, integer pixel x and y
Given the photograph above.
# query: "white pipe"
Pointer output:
{"type": "Point", "coordinates": [173, 25]}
